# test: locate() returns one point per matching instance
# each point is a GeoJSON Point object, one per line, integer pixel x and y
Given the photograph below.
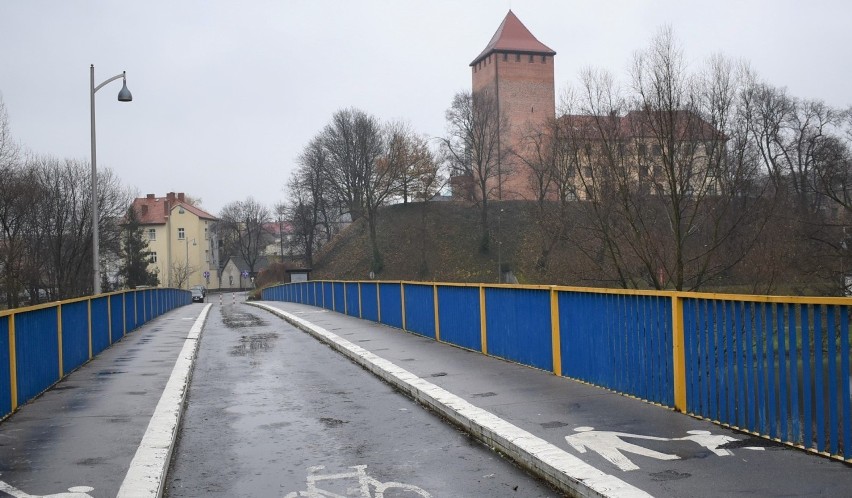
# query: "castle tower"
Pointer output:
{"type": "Point", "coordinates": [518, 69]}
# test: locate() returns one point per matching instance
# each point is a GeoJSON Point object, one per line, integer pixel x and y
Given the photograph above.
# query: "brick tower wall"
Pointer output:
{"type": "Point", "coordinates": [524, 84]}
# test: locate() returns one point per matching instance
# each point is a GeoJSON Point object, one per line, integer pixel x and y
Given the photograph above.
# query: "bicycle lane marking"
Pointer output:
{"type": "Point", "coordinates": [147, 470]}
{"type": "Point", "coordinates": [550, 462]}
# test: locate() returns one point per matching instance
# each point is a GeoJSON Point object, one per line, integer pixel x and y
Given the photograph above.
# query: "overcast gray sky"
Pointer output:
{"type": "Point", "coordinates": [227, 93]}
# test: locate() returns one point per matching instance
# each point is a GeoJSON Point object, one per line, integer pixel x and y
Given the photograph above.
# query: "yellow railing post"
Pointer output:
{"type": "Point", "coordinates": [402, 302]}
{"type": "Point", "coordinates": [555, 338]}
{"type": "Point", "coordinates": [483, 335]}
{"type": "Point", "coordinates": [13, 365]}
{"type": "Point", "coordinates": [679, 359]}
{"type": "Point", "coordinates": [437, 315]}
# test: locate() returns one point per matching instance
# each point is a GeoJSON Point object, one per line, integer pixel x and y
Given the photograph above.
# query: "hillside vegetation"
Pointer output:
{"type": "Point", "coordinates": [439, 241]}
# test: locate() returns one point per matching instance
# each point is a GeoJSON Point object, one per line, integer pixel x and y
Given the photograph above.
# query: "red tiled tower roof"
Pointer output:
{"type": "Point", "coordinates": [513, 36]}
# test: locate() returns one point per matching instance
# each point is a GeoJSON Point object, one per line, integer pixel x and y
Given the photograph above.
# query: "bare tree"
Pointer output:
{"type": "Point", "coordinates": [472, 148]}
{"type": "Point", "coordinates": [244, 223]}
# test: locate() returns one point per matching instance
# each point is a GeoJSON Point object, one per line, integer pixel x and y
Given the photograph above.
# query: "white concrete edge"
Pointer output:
{"type": "Point", "coordinates": [147, 472]}
{"type": "Point", "coordinates": [551, 463]}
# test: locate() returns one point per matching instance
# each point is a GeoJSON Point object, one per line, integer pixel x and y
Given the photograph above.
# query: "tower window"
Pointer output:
{"type": "Point", "coordinates": [531, 57]}
{"type": "Point", "coordinates": [544, 59]}
{"type": "Point", "coordinates": [505, 57]}
{"type": "Point", "coordinates": [517, 57]}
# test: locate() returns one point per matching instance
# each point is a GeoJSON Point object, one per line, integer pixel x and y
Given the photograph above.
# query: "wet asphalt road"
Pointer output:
{"type": "Point", "coordinates": [268, 402]}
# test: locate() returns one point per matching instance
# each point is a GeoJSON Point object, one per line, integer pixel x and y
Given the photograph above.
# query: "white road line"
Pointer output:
{"type": "Point", "coordinates": [147, 471]}
{"type": "Point", "coordinates": [565, 471]}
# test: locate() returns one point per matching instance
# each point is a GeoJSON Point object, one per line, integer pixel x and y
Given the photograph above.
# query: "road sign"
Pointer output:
{"type": "Point", "coordinates": [245, 274]}
{"type": "Point", "coordinates": [207, 274]}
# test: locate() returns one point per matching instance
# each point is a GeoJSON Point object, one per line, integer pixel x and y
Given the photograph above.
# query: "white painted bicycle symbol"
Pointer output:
{"type": "Point", "coordinates": [367, 487]}
{"type": "Point", "coordinates": [73, 492]}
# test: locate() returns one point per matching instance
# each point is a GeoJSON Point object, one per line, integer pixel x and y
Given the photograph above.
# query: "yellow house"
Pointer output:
{"type": "Point", "coordinates": [182, 239]}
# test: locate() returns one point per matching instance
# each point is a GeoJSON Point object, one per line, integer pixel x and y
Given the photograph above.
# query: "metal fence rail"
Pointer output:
{"type": "Point", "coordinates": [778, 367]}
{"type": "Point", "coordinates": [41, 344]}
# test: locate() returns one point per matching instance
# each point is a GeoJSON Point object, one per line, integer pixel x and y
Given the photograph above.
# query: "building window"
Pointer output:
{"type": "Point", "coordinates": [181, 234]}
{"type": "Point", "coordinates": [544, 59]}
{"type": "Point", "coordinates": [531, 57]}
{"type": "Point", "coordinates": [205, 233]}
{"type": "Point", "coordinates": [517, 57]}
{"type": "Point", "coordinates": [643, 150]}
{"type": "Point", "coordinates": [207, 255]}
{"type": "Point", "coordinates": [505, 57]}
{"type": "Point", "coordinates": [655, 150]}
{"type": "Point", "coordinates": [152, 234]}
{"type": "Point", "coordinates": [153, 257]}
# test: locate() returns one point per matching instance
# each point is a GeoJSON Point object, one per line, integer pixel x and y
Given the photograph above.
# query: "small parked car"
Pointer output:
{"type": "Point", "coordinates": [197, 295]}
{"type": "Point", "coordinates": [202, 289]}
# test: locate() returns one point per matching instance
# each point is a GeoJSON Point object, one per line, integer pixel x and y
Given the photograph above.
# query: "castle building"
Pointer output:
{"type": "Point", "coordinates": [517, 70]}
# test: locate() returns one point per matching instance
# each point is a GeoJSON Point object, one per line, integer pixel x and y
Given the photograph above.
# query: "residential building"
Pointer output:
{"type": "Point", "coordinates": [236, 274]}
{"type": "Point", "coordinates": [182, 239]}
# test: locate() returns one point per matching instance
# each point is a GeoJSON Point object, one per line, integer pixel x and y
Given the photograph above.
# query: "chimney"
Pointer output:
{"type": "Point", "coordinates": [181, 197]}
{"type": "Point", "coordinates": [150, 196]}
{"type": "Point", "coordinates": [170, 196]}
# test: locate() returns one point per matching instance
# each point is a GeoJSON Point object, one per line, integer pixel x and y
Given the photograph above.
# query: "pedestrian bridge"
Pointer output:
{"type": "Point", "coordinates": [769, 365]}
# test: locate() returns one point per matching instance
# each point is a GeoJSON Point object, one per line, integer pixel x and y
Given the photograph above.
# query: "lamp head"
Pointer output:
{"type": "Point", "coordinates": [124, 95]}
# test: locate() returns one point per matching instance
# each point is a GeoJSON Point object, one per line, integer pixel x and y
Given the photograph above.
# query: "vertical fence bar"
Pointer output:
{"type": "Point", "coordinates": [783, 383]}
{"type": "Point", "coordinates": [819, 405]}
{"type": "Point", "coordinates": [402, 300]}
{"type": "Point", "coordinates": [437, 313]}
{"type": "Point", "coordinates": [91, 318]}
{"type": "Point", "coordinates": [13, 365]}
{"type": "Point", "coordinates": [483, 335]}
{"type": "Point", "coordinates": [760, 337]}
{"type": "Point", "coordinates": [678, 354]}
{"type": "Point", "coordinates": [845, 381]}
{"type": "Point", "coordinates": [832, 378]}
{"type": "Point", "coordinates": [793, 368]}
{"type": "Point", "coordinates": [554, 331]}
{"type": "Point", "coordinates": [771, 370]}
{"type": "Point", "coordinates": [807, 433]}
{"type": "Point", "coordinates": [59, 338]}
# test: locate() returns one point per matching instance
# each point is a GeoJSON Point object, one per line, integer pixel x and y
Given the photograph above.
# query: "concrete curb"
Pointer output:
{"type": "Point", "coordinates": [545, 460]}
{"type": "Point", "coordinates": [147, 473]}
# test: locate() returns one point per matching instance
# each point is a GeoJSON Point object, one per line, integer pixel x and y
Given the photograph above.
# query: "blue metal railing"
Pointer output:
{"type": "Point", "coordinates": [41, 344]}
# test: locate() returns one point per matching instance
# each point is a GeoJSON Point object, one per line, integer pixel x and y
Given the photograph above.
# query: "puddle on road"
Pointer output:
{"type": "Point", "coordinates": [241, 320]}
{"type": "Point", "coordinates": [253, 344]}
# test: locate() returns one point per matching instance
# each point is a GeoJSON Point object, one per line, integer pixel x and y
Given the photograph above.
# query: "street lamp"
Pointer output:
{"type": "Point", "coordinates": [123, 96]}
{"type": "Point", "coordinates": [187, 260]}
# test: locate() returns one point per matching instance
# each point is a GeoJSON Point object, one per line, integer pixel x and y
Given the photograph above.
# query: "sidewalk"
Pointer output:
{"type": "Point", "coordinates": [583, 439]}
{"type": "Point", "coordinates": [82, 436]}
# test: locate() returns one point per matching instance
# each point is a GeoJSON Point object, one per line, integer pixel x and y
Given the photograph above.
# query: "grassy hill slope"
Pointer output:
{"type": "Point", "coordinates": [439, 241]}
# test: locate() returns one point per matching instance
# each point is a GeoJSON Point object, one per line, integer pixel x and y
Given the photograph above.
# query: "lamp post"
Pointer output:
{"type": "Point", "coordinates": [187, 260]}
{"type": "Point", "coordinates": [123, 96]}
